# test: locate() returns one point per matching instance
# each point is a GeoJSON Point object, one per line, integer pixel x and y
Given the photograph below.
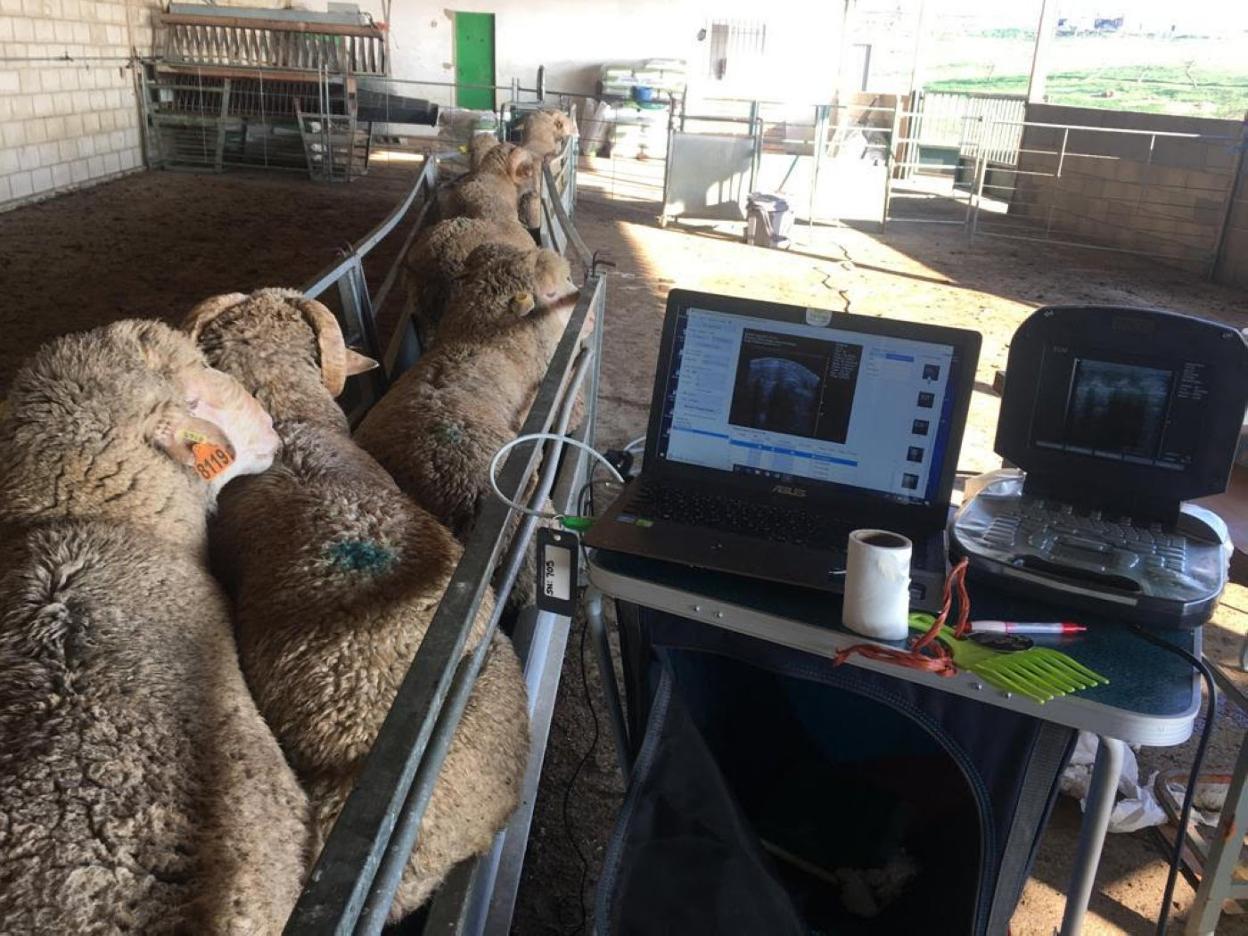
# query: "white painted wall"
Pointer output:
{"type": "Point", "coordinates": [573, 38]}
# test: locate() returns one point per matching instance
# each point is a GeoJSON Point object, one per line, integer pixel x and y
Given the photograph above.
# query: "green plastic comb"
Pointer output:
{"type": "Point", "coordinates": [1037, 673]}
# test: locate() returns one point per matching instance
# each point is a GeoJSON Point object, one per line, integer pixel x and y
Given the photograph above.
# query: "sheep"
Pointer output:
{"type": "Point", "coordinates": [438, 257]}
{"type": "Point", "coordinates": [337, 575]}
{"type": "Point", "coordinates": [492, 190]}
{"type": "Point", "coordinates": [437, 428]}
{"type": "Point", "coordinates": [544, 132]}
{"type": "Point", "coordinates": [140, 790]}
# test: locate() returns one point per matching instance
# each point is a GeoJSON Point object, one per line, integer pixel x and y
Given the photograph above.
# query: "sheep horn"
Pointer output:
{"type": "Point", "coordinates": [333, 347]}
{"type": "Point", "coordinates": [206, 311]}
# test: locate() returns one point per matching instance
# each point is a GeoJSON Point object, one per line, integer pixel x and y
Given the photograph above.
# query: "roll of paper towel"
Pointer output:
{"type": "Point", "coordinates": [877, 584]}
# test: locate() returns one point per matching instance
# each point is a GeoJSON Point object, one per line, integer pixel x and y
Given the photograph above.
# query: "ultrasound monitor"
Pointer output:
{"type": "Point", "coordinates": [1130, 408]}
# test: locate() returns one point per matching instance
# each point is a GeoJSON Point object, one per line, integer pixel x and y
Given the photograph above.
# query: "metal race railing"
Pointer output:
{"type": "Point", "coordinates": [352, 884]}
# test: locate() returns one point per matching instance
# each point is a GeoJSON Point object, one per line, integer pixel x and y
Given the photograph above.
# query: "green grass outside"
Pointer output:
{"type": "Point", "coordinates": [1153, 89]}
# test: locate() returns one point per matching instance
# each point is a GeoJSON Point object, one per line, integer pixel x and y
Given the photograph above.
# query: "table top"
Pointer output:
{"type": "Point", "coordinates": [1152, 697]}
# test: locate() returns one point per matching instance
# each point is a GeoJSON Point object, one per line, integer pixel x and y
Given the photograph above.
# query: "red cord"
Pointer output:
{"type": "Point", "coordinates": [938, 661]}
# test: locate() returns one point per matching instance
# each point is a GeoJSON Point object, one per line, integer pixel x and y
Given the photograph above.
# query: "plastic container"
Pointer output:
{"type": "Point", "coordinates": [768, 221]}
{"type": "Point", "coordinates": [643, 94]}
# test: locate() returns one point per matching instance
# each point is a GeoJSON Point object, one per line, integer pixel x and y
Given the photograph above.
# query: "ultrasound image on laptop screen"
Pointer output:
{"type": "Point", "coordinates": [786, 400]}
{"type": "Point", "coordinates": [798, 386]}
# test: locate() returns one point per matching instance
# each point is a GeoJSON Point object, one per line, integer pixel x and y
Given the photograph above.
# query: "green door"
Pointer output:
{"type": "Point", "coordinates": [474, 60]}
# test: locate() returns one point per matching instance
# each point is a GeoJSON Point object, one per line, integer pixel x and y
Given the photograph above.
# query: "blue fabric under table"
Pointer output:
{"type": "Point", "coordinates": [836, 766]}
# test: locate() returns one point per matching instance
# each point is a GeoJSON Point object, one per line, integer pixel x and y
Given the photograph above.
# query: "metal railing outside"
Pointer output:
{"type": "Point", "coordinates": [941, 117]}
{"type": "Point", "coordinates": [352, 884]}
{"type": "Point", "coordinates": [819, 156]}
{"type": "Point", "coordinates": [1107, 188]}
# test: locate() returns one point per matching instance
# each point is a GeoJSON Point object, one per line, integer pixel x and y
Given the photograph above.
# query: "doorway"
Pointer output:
{"type": "Point", "coordinates": [474, 60]}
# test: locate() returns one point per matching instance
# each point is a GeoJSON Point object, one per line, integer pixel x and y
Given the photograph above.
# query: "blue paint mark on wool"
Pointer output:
{"type": "Point", "coordinates": [360, 555]}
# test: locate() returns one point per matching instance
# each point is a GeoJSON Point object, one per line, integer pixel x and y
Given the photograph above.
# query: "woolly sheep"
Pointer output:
{"type": "Point", "coordinates": [140, 790]}
{"type": "Point", "coordinates": [544, 132]}
{"type": "Point", "coordinates": [529, 206]}
{"type": "Point", "coordinates": [493, 189]}
{"type": "Point", "coordinates": [438, 257]}
{"type": "Point", "coordinates": [437, 428]}
{"type": "Point", "coordinates": [336, 576]}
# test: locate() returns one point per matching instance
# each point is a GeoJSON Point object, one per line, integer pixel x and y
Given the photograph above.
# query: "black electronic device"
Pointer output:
{"type": "Point", "coordinates": [776, 430]}
{"type": "Point", "coordinates": [1116, 416]}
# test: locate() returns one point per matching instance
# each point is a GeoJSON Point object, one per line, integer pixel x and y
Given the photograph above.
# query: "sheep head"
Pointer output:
{"type": "Point", "coordinates": [515, 163]}
{"type": "Point", "coordinates": [284, 347]}
{"type": "Point", "coordinates": [127, 422]}
{"type": "Point", "coordinates": [545, 132]}
{"type": "Point", "coordinates": [480, 145]}
{"type": "Point", "coordinates": [530, 210]}
{"type": "Point", "coordinates": [502, 286]}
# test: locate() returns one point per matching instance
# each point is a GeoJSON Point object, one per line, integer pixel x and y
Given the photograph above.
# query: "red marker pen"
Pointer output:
{"type": "Point", "coordinates": [1012, 627]}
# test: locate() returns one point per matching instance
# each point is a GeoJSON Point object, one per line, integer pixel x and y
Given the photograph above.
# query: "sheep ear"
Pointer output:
{"type": "Point", "coordinates": [520, 164]}
{"type": "Point", "coordinates": [359, 363]}
{"type": "Point", "coordinates": [190, 441]}
{"type": "Point", "coordinates": [522, 303]}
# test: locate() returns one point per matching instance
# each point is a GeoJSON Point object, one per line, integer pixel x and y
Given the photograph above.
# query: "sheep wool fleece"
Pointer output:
{"type": "Point", "coordinates": [140, 791]}
{"type": "Point", "coordinates": [337, 576]}
{"type": "Point", "coordinates": [438, 427]}
{"type": "Point", "coordinates": [438, 257]}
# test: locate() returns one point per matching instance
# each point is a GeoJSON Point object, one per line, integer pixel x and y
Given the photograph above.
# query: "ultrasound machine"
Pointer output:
{"type": "Point", "coordinates": [1115, 417]}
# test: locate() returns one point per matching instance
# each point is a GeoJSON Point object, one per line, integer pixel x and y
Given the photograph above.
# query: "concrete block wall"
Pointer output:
{"type": "Point", "coordinates": [67, 123]}
{"type": "Point", "coordinates": [1164, 196]}
{"type": "Point", "coordinates": [1232, 267]}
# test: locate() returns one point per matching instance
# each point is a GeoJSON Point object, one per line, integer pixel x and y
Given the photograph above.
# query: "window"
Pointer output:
{"type": "Point", "coordinates": [735, 49]}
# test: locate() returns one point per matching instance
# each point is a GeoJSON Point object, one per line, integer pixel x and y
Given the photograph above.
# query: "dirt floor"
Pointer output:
{"type": "Point", "coordinates": [917, 272]}
{"type": "Point", "coordinates": [173, 239]}
{"type": "Point", "coordinates": [155, 243]}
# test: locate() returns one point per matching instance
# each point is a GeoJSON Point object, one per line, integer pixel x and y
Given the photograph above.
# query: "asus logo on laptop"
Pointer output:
{"type": "Point", "coordinates": [790, 491]}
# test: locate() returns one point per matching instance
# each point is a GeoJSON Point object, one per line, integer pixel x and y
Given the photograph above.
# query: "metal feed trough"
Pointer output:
{"type": "Point", "coordinates": [260, 87]}
{"type": "Point", "coordinates": [351, 887]}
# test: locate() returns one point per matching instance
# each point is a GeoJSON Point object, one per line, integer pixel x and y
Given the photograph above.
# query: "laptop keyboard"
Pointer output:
{"type": "Point", "coordinates": [733, 515]}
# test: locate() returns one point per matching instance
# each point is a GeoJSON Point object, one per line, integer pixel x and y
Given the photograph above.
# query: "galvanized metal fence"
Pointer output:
{"type": "Point", "coordinates": [830, 161]}
{"type": "Point", "coordinates": [1138, 191]}
{"type": "Point", "coordinates": [320, 120]}
{"type": "Point", "coordinates": [352, 885]}
{"type": "Point", "coordinates": [942, 120]}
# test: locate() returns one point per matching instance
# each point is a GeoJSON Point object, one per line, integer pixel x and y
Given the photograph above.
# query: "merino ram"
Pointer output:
{"type": "Point", "coordinates": [337, 575]}
{"type": "Point", "coordinates": [438, 427]}
{"type": "Point", "coordinates": [140, 790]}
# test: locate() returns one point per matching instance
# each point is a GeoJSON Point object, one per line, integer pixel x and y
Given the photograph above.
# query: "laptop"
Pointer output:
{"type": "Point", "coordinates": [776, 430]}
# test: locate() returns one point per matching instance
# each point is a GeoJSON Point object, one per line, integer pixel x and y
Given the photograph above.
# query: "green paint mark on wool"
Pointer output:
{"type": "Point", "coordinates": [448, 432]}
{"type": "Point", "coordinates": [360, 555]}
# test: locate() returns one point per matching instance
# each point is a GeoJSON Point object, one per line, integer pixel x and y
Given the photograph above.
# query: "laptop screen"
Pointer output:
{"type": "Point", "coordinates": [787, 400]}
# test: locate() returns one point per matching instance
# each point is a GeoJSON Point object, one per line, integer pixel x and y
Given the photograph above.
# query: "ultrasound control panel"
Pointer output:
{"type": "Point", "coordinates": [1115, 417]}
{"type": "Point", "coordinates": [1160, 574]}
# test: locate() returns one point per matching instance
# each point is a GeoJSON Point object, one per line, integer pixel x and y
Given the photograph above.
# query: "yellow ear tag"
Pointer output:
{"type": "Point", "coordinates": [210, 459]}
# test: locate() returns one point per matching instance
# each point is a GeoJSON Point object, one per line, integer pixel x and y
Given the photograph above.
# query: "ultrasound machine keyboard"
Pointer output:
{"type": "Point", "coordinates": [1088, 538]}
